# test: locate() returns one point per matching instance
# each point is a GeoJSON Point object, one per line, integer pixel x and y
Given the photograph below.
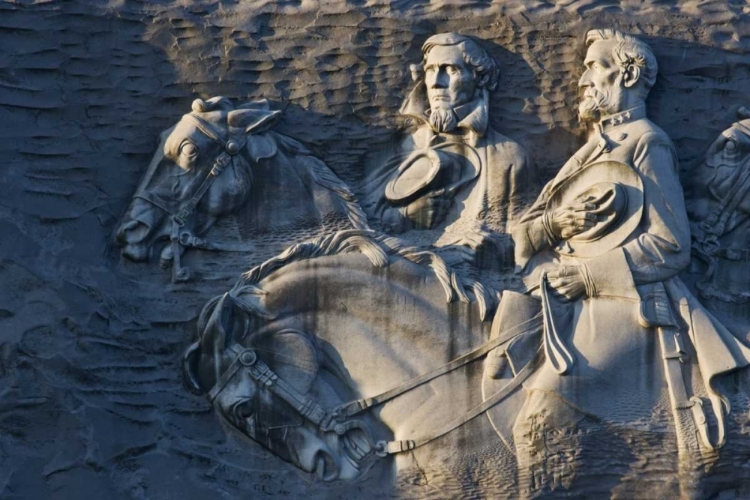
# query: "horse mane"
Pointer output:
{"type": "Point", "coordinates": [318, 170]}
{"type": "Point", "coordinates": [326, 178]}
{"type": "Point", "coordinates": [378, 248]}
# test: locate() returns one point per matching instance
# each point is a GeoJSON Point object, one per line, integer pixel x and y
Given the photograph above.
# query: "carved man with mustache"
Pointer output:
{"type": "Point", "coordinates": [450, 106]}
{"type": "Point", "coordinates": [621, 334]}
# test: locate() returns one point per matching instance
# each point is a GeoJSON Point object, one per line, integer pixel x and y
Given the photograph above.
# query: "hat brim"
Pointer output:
{"type": "Point", "coordinates": [416, 173]}
{"type": "Point", "coordinates": [628, 182]}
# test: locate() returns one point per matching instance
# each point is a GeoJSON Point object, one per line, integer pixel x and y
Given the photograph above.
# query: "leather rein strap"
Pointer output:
{"type": "Point", "coordinates": [337, 420]}
{"type": "Point", "coordinates": [360, 405]}
{"type": "Point", "coordinates": [391, 447]}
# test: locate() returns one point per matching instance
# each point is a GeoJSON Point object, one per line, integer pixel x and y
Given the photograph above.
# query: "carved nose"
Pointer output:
{"type": "Point", "coordinates": [131, 231]}
{"type": "Point", "coordinates": [584, 82]}
{"type": "Point", "coordinates": [129, 236]}
{"type": "Point", "coordinates": [440, 81]}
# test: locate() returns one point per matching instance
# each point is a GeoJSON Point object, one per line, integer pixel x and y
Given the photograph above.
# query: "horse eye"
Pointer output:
{"type": "Point", "coordinates": [189, 149]}
{"type": "Point", "coordinates": [243, 409]}
{"type": "Point", "coordinates": [730, 146]}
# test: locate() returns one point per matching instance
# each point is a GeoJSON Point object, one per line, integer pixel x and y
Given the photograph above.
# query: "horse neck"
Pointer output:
{"type": "Point", "coordinates": [377, 326]}
{"type": "Point", "coordinates": [365, 364]}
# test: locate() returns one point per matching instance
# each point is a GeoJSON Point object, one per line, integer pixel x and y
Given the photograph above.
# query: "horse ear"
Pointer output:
{"type": "Point", "coordinates": [261, 146]}
{"type": "Point", "coordinates": [190, 368]}
{"type": "Point", "coordinates": [218, 102]}
{"type": "Point", "coordinates": [253, 120]}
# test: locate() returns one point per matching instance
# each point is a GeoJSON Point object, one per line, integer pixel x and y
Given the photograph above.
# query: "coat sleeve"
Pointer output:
{"type": "Point", "coordinates": [528, 233]}
{"type": "Point", "coordinates": [529, 236]}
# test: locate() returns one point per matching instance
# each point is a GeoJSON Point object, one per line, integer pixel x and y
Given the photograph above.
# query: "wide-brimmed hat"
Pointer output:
{"type": "Point", "coordinates": [445, 167]}
{"type": "Point", "coordinates": [617, 191]}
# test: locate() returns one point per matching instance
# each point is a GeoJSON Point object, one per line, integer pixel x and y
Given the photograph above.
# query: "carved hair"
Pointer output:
{"type": "Point", "coordinates": [486, 70]}
{"type": "Point", "coordinates": [629, 50]}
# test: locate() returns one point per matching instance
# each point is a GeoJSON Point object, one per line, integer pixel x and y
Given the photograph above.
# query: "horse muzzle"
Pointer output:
{"type": "Point", "coordinates": [133, 238]}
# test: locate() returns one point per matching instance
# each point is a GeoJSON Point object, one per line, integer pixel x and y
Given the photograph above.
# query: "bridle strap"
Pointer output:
{"type": "Point", "coordinates": [208, 130]}
{"type": "Point", "coordinates": [219, 165]}
{"type": "Point", "coordinates": [229, 373]}
{"type": "Point", "coordinates": [261, 373]}
{"type": "Point", "coordinates": [384, 448]}
{"type": "Point", "coordinates": [360, 405]}
{"type": "Point", "coordinates": [742, 128]}
{"type": "Point", "coordinates": [336, 420]}
{"type": "Point", "coordinates": [230, 148]}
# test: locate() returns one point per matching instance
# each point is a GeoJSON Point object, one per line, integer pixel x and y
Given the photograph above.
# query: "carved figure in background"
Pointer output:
{"type": "Point", "coordinates": [604, 243]}
{"type": "Point", "coordinates": [454, 172]}
{"type": "Point", "coordinates": [718, 198]}
{"type": "Point", "coordinates": [214, 162]}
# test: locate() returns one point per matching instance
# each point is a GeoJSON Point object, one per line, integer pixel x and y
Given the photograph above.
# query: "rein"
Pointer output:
{"type": "Point", "coordinates": [339, 420]}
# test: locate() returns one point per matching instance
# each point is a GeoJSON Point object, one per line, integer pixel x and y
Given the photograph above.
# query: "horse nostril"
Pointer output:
{"type": "Point", "coordinates": [326, 467]}
{"type": "Point", "coordinates": [122, 232]}
{"type": "Point", "coordinates": [135, 253]}
{"type": "Point", "coordinates": [133, 231]}
{"type": "Point", "coordinates": [129, 236]}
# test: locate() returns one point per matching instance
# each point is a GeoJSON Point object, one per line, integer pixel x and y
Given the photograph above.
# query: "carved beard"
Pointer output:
{"type": "Point", "coordinates": [595, 103]}
{"type": "Point", "coordinates": [443, 120]}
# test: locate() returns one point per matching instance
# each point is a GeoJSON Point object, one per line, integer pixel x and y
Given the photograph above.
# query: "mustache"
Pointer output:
{"type": "Point", "coordinates": [594, 97]}
{"type": "Point", "coordinates": [593, 104]}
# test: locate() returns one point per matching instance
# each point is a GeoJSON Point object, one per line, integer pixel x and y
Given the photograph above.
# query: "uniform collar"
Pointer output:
{"type": "Point", "coordinates": [610, 122]}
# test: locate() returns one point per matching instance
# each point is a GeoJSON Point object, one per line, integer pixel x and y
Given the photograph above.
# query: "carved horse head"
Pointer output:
{"type": "Point", "coordinates": [718, 202]}
{"type": "Point", "coordinates": [204, 170]}
{"type": "Point", "coordinates": [201, 173]}
{"type": "Point", "coordinates": [266, 387]}
{"type": "Point", "coordinates": [294, 381]}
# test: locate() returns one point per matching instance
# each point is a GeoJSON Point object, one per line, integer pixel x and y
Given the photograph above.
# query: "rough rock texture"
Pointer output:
{"type": "Point", "coordinates": [91, 400]}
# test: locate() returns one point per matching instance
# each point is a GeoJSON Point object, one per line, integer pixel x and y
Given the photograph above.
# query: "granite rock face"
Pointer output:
{"type": "Point", "coordinates": [92, 397]}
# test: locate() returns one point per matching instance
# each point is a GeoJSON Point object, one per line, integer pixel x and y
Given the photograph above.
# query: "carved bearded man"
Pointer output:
{"type": "Point", "coordinates": [602, 246]}
{"type": "Point", "coordinates": [454, 174]}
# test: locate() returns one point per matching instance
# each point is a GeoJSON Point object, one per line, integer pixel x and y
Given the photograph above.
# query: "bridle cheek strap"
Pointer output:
{"type": "Point", "coordinates": [230, 148]}
{"type": "Point", "coordinates": [263, 375]}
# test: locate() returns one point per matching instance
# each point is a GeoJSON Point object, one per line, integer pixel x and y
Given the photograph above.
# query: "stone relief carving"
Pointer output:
{"type": "Point", "coordinates": [220, 160]}
{"type": "Point", "coordinates": [408, 360]}
{"type": "Point", "coordinates": [719, 207]}
{"type": "Point", "coordinates": [602, 247]}
{"type": "Point", "coordinates": [604, 336]}
{"type": "Point", "coordinates": [454, 173]}
{"type": "Point", "coordinates": [280, 356]}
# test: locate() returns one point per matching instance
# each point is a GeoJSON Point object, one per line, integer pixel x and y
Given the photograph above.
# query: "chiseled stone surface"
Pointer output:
{"type": "Point", "coordinates": [92, 398]}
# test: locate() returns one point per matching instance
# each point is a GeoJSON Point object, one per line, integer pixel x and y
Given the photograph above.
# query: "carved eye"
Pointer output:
{"type": "Point", "coordinates": [730, 146]}
{"type": "Point", "coordinates": [188, 150]}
